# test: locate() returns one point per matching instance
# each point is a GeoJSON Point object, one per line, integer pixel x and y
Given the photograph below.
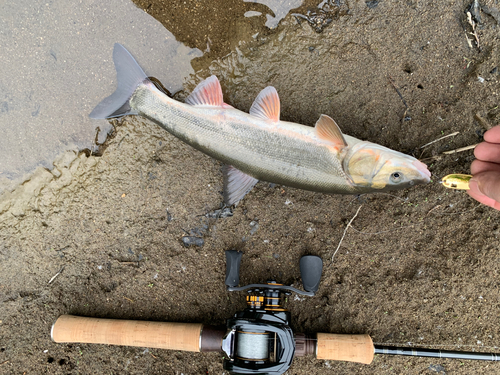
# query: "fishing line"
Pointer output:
{"type": "Point", "coordinates": [389, 195]}
{"type": "Point", "coordinates": [384, 231]}
{"type": "Point", "coordinates": [458, 213]}
{"type": "Point", "coordinates": [252, 345]}
{"type": "Point", "coordinates": [407, 226]}
{"type": "Point", "coordinates": [405, 344]}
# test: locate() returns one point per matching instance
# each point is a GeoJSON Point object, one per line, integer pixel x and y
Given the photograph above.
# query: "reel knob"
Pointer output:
{"type": "Point", "coordinates": [311, 267]}
{"type": "Point", "coordinates": [233, 260]}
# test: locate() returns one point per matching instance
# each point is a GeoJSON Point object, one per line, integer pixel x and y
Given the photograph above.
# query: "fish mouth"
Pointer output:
{"type": "Point", "coordinates": [422, 169]}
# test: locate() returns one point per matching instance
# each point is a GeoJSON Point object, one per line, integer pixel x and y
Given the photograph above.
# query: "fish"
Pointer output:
{"type": "Point", "coordinates": [258, 146]}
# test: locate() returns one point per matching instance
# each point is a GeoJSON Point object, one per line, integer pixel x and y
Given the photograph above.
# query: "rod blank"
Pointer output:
{"type": "Point", "coordinates": [434, 353]}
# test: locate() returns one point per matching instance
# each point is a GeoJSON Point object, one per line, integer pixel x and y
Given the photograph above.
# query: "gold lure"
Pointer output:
{"type": "Point", "coordinates": [456, 181]}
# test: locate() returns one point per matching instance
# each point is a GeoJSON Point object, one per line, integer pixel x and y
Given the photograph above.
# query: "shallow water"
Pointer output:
{"type": "Point", "coordinates": [57, 65]}
{"type": "Point", "coordinates": [278, 10]}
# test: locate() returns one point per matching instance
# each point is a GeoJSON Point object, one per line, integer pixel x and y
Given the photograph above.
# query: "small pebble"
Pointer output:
{"type": "Point", "coordinates": [220, 214]}
{"type": "Point", "coordinates": [437, 368]}
{"type": "Point", "coordinates": [192, 240]}
{"type": "Point", "coordinates": [255, 227]}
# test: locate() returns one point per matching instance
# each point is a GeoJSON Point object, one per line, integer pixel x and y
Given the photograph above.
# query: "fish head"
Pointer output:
{"type": "Point", "coordinates": [372, 166]}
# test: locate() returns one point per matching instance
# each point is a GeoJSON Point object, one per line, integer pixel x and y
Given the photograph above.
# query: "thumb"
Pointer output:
{"type": "Point", "coordinates": [488, 183]}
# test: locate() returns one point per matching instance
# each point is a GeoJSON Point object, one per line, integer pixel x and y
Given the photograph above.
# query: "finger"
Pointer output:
{"type": "Point", "coordinates": [475, 193]}
{"type": "Point", "coordinates": [492, 135]}
{"type": "Point", "coordinates": [479, 166]}
{"type": "Point", "coordinates": [487, 152]}
{"type": "Point", "coordinates": [489, 184]}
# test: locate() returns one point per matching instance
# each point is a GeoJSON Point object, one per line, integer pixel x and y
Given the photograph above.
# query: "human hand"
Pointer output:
{"type": "Point", "coordinates": [485, 183]}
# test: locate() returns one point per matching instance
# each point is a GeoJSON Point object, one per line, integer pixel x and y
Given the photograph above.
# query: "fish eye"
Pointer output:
{"type": "Point", "coordinates": [396, 177]}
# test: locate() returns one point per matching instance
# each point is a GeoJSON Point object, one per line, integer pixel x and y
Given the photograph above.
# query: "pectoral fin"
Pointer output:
{"type": "Point", "coordinates": [236, 185]}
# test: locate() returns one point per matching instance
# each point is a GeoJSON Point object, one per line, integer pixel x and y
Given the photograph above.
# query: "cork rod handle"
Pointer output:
{"type": "Point", "coordinates": [161, 335]}
{"type": "Point", "coordinates": [351, 348]}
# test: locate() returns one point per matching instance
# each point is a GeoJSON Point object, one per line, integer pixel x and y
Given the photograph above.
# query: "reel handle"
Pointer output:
{"type": "Point", "coordinates": [233, 260]}
{"type": "Point", "coordinates": [351, 348]}
{"type": "Point", "coordinates": [192, 337]}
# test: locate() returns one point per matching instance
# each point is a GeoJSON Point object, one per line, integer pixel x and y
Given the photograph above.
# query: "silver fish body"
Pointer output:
{"type": "Point", "coordinates": [279, 153]}
{"type": "Point", "coordinates": [257, 145]}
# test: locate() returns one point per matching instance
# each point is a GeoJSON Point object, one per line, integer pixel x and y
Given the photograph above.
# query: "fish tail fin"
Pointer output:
{"type": "Point", "coordinates": [129, 75]}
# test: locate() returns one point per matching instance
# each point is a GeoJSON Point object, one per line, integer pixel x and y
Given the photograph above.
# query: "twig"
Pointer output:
{"type": "Point", "coordinates": [482, 121]}
{"type": "Point", "coordinates": [4, 362]}
{"type": "Point", "coordinates": [395, 88]}
{"type": "Point", "coordinates": [473, 25]}
{"type": "Point", "coordinates": [460, 149]}
{"type": "Point", "coordinates": [57, 274]}
{"type": "Point", "coordinates": [469, 41]}
{"type": "Point", "coordinates": [345, 231]}
{"type": "Point", "coordinates": [437, 157]}
{"type": "Point", "coordinates": [432, 209]}
{"type": "Point", "coordinates": [446, 136]}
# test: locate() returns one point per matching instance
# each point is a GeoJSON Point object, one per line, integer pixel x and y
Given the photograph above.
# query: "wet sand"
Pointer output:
{"type": "Point", "coordinates": [418, 266]}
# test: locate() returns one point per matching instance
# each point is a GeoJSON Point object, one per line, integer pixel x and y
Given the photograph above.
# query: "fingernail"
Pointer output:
{"type": "Point", "coordinates": [474, 185]}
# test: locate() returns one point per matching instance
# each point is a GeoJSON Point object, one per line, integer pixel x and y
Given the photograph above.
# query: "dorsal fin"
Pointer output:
{"type": "Point", "coordinates": [208, 92]}
{"type": "Point", "coordinates": [327, 129]}
{"type": "Point", "coordinates": [267, 105]}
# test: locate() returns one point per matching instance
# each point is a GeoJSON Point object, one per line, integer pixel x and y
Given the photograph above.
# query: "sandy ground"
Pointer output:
{"type": "Point", "coordinates": [418, 266]}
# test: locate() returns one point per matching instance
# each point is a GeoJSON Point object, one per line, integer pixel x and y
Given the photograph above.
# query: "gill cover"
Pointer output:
{"type": "Point", "coordinates": [362, 165]}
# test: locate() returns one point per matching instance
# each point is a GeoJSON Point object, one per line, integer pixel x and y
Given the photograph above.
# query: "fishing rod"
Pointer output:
{"type": "Point", "coordinates": [257, 340]}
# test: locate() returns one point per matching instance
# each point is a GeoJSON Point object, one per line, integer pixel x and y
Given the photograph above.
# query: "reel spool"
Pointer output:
{"type": "Point", "coordinates": [253, 346]}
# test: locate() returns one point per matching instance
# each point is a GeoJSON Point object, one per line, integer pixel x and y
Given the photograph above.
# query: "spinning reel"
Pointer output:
{"type": "Point", "coordinates": [257, 340]}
